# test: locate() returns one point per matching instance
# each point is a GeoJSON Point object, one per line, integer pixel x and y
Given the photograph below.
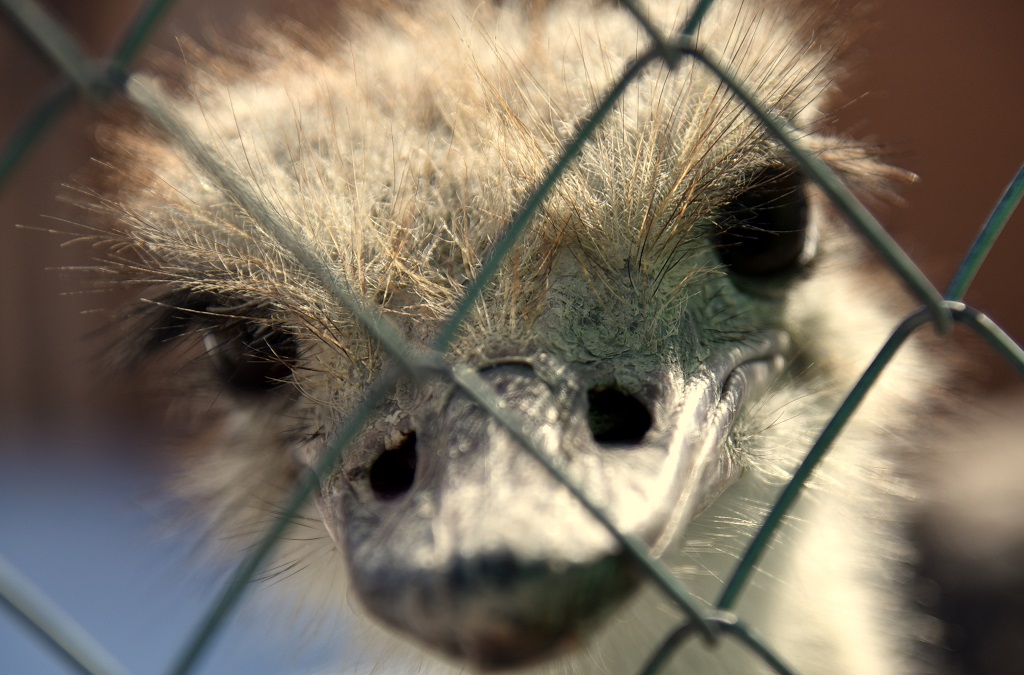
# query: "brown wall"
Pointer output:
{"type": "Point", "coordinates": [945, 95]}
{"type": "Point", "coordinates": [50, 337]}
{"type": "Point", "coordinates": [944, 87]}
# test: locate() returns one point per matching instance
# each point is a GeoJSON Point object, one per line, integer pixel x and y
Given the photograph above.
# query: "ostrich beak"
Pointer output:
{"type": "Point", "coordinates": [488, 558]}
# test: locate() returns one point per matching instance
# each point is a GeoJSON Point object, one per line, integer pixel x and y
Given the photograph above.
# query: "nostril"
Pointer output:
{"type": "Point", "coordinates": [391, 475]}
{"type": "Point", "coordinates": [616, 417]}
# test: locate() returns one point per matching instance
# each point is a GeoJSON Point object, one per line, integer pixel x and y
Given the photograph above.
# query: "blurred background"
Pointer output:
{"type": "Point", "coordinates": [939, 84]}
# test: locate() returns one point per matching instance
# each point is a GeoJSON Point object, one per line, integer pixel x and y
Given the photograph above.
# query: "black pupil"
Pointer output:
{"type": "Point", "coordinates": [765, 226]}
{"type": "Point", "coordinates": [252, 358]}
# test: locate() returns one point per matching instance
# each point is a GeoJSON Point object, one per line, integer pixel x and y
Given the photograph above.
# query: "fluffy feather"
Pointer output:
{"type": "Point", "coordinates": [394, 157]}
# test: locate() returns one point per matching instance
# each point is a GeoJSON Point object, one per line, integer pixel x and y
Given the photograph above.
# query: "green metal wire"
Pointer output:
{"type": "Point", "coordinates": [220, 608]}
{"type": "Point", "coordinates": [42, 118]}
{"type": "Point", "coordinates": [205, 156]}
{"type": "Point", "coordinates": [664, 49]}
{"type": "Point", "coordinates": [538, 195]}
{"type": "Point", "coordinates": [232, 594]}
{"type": "Point", "coordinates": [756, 644]}
{"type": "Point", "coordinates": [693, 23]}
{"type": "Point", "coordinates": [47, 112]}
{"type": "Point", "coordinates": [159, 109]}
{"type": "Point", "coordinates": [996, 337]}
{"type": "Point", "coordinates": [53, 624]}
{"type": "Point", "coordinates": [57, 44]}
{"type": "Point", "coordinates": [140, 31]}
{"type": "Point", "coordinates": [727, 623]}
{"type": "Point", "coordinates": [840, 195]}
{"type": "Point", "coordinates": [987, 237]}
{"type": "Point", "coordinates": [84, 75]}
{"type": "Point", "coordinates": [661, 656]}
{"type": "Point", "coordinates": [793, 488]}
{"type": "Point", "coordinates": [477, 389]}
{"type": "Point", "coordinates": [1005, 346]}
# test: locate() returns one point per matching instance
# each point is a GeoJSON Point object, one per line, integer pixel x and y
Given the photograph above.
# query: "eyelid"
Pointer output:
{"type": "Point", "coordinates": [250, 357]}
{"type": "Point", "coordinates": [179, 312]}
{"type": "Point", "coordinates": [764, 231]}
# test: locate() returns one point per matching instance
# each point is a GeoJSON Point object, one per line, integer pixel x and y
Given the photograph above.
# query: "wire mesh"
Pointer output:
{"type": "Point", "coordinates": [99, 79]}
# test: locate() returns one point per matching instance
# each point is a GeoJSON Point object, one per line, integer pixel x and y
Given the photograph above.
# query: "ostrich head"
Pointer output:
{"type": "Point", "coordinates": [677, 314]}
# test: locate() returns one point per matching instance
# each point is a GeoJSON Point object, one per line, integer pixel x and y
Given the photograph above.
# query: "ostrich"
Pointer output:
{"type": "Point", "coordinates": [680, 318]}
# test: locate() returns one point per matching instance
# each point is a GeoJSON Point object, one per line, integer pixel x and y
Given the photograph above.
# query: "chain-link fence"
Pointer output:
{"type": "Point", "coordinates": [97, 80]}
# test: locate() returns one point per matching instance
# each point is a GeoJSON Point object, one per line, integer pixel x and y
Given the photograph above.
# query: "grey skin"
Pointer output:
{"type": "Point", "coordinates": [465, 563]}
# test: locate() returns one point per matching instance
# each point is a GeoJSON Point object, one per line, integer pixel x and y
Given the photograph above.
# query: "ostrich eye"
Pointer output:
{"type": "Point", "coordinates": [765, 227]}
{"type": "Point", "coordinates": [250, 357]}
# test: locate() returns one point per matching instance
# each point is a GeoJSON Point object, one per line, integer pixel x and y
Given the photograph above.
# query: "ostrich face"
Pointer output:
{"type": "Point", "coordinates": [634, 329]}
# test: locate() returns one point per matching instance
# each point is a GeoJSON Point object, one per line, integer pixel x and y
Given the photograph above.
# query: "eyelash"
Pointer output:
{"type": "Point", "coordinates": [251, 354]}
